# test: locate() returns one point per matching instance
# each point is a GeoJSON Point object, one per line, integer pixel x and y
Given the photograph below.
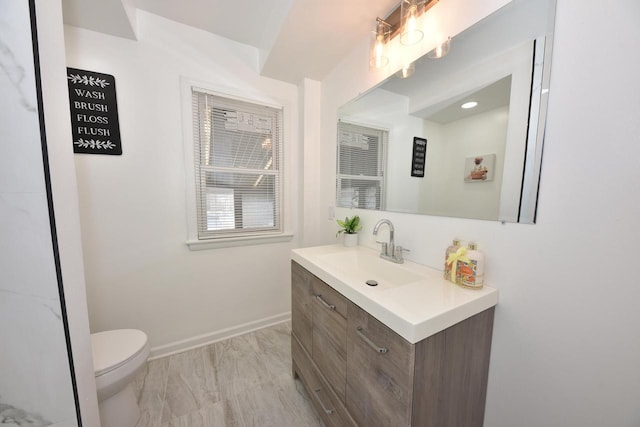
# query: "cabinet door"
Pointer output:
{"type": "Point", "coordinates": [452, 369]}
{"type": "Point", "coordinates": [330, 335]}
{"type": "Point", "coordinates": [380, 366]}
{"type": "Point", "coordinates": [301, 298]}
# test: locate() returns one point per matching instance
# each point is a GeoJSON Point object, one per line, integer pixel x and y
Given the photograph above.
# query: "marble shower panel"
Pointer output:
{"type": "Point", "coordinates": [35, 378]}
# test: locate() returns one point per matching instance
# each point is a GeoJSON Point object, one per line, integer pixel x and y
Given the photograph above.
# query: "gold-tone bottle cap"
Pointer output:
{"type": "Point", "coordinates": [456, 242]}
{"type": "Point", "coordinates": [473, 246]}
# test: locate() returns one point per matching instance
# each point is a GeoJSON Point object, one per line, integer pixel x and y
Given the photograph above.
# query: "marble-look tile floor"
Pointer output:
{"type": "Point", "coordinates": [244, 381]}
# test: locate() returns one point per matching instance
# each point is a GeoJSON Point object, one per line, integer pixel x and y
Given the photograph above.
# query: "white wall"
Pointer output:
{"type": "Point", "coordinates": [308, 176]}
{"type": "Point", "coordinates": [402, 190]}
{"type": "Point", "coordinates": [566, 341]}
{"type": "Point", "coordinates": [139, 272]}
{"type": "Point", "coordinates": [453, 143]}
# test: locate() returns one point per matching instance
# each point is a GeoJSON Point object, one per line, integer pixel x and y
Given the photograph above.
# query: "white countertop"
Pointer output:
{"type": "Point", "coordinates": [413, 300]}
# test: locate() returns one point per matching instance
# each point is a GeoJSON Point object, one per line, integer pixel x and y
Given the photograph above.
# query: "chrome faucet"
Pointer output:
{"type": "Point", "coordinates": [389, 251]}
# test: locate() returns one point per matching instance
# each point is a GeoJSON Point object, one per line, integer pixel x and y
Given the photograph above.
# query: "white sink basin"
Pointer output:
{"type": "Point", "coordinates": [369, 266]}
{"type": "Point", "coordinates": [413, 300]}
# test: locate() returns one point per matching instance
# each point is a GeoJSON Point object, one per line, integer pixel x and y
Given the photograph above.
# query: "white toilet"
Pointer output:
{"type": "Point", "coordinates": [117, 357]}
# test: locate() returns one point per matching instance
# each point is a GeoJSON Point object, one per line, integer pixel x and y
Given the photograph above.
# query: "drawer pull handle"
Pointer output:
{"type": "Point", "coordinates": [328, 411]}
{"type": "Point", "coordinates": [366, 339]}
{"type": "Point", "coordinates": [326, 304]}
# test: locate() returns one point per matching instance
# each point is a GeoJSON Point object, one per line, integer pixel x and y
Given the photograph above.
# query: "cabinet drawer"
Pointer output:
{"type": "Point", "coordinates": [301, 305]}
{"type": "Point", "coordinates": [326, 295]}
{"type": "Point", "coordinates": [328, 406]}
{"type": "Point", "coordinates": [380, 367]}
{"type": "Point", "coordinates": [330, 335]}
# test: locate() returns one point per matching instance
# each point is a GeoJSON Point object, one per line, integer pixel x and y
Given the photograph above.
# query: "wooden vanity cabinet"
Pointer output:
{"type": "Point", "coordinates": [367, 375]}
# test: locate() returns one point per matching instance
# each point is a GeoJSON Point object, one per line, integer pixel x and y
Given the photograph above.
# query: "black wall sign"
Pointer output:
{"type": "Point", "coordinates": [419, 156]}
{"type": "Point", "coordinates": [94, 112]}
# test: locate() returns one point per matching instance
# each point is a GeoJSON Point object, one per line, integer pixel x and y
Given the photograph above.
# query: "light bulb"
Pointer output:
{"type": "Point", "coordinates": [411, 34]}
{"type": "Point", "coordinates": [378, 54]}
{"type": "Point", "coordinates": [411, 22]}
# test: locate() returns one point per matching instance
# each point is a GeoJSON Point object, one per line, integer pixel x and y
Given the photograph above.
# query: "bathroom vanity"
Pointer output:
{"type": "Point", "coordinates": [411, 351]}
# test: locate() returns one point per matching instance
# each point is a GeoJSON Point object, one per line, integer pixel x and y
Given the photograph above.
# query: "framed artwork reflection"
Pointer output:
{"type": "Point", "coordinates": [480, 168]}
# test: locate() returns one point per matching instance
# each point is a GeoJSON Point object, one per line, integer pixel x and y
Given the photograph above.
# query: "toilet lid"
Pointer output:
{"type": "Point", "coordinates": [111, 349]}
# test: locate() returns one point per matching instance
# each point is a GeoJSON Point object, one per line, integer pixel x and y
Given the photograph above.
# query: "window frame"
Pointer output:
{"type": "Point", "coordinates": [235, 238]}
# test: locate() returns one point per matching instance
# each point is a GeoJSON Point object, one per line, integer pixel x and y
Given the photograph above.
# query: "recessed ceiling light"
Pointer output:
{"type": "Point", "coordinates": [469, 104]}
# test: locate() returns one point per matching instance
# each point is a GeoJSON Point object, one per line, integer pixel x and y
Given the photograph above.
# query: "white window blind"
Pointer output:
{"type": "Point", "coordinates": [361, 162]}
{"type": "Point", "coordinates": [238, 149]}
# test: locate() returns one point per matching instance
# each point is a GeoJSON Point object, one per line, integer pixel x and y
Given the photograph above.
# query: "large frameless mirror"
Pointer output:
{"type": "Point", "coordinates": [463, 135]}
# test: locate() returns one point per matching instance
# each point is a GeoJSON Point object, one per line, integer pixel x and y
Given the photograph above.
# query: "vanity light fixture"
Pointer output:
{"type": "Point", "coordinates": [410, 10]}
{"type": "Point", "coordinates": [379, 56]}
{"type": "Point", "coordinates": [470, 104]}
{"type": "Point", "coordinates": [404, 22]}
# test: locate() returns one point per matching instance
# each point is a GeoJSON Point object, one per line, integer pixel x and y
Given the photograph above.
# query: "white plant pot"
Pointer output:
{"type": "Point", "coordinates": [350, 240]}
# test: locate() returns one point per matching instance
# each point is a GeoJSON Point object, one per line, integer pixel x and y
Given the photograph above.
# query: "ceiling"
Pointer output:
{"type": "Point", "coordinates": [295, 38]}
{"type": "Point", "coordinates": [489, 98]}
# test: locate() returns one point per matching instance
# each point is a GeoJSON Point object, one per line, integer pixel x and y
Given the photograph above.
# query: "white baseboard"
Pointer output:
{"type": "Point", "coordinates": [212, 337]}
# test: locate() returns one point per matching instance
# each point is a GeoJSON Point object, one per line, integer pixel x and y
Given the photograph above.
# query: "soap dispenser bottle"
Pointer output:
{"type": "Point", "coordinates": [470, 273]}
{"type": "Point", "coordinates": [450, 250]}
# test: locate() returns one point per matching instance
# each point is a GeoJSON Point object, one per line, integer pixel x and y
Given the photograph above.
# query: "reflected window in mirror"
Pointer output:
{"type": "Point", "coordinates": [361, 165]}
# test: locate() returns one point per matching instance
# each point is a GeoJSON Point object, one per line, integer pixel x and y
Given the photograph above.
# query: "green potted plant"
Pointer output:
{"type": "Point", "coordinates": [350, 228]}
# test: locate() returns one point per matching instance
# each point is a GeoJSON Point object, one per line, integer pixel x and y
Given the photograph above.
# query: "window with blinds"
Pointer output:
{"type": "Point", "coordinates": [238, 149]}
{"type": "Point", "coordinates": [361, 162]}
